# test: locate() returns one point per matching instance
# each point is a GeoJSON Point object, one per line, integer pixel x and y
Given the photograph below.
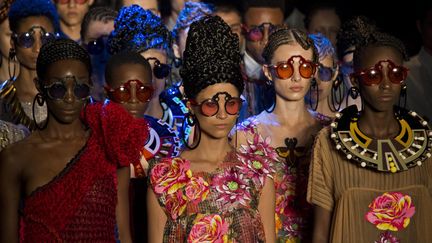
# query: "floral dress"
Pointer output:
{"type": "Point", "coordinates": [219, 206]}
{"type": "Point", "coordinates": [294, 215]}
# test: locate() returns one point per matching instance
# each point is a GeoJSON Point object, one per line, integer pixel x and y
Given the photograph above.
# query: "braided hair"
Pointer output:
{"type": "Point", "coordinates": [123, 58]}
{"type": "Point", "coordinates": [57, 50]}
{"type": "Point", "coordinates": [352, 33]}
{"type": "Point", "coordinates": [103, 14]}
{"type": "Point", "coordinates": [211, 56]}
{"type": "Point", "coordinates": [21, 9]}
{"type": "Point", "coordinates": [286, 36]}
{"type": "Point", "coordinates": [4, 9]}
{"type": "Point", "coordinates": [323, 46]}
{"type": "Point", "coordinates": [137, 30]}
{"type": "Point", "coordinates": [191, 12]}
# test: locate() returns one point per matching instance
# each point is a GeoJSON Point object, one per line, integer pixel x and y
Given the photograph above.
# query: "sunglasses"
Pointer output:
{"type": "Point", "coordinates": [58, 89]}
{"type": "Point", "coordinates": [326, 74]}
{"type": "Point", "coordinates": [256, 33]}
{"type": "Point", "coordinates": [160, 70]}
{"type": "Point", "coordinates": [210, 107]}
{"type": "Point", "coordinates": [123, 93]}
{"type": "Point", "coordinates": [374, 75]}
{"type": "Point", "coordinates": [68, 1]}
{"type": "Point", "coordinates": [285, 70]}
{"type": "Point", "coordinates": [27, 39]}
{"type": "Point", "coordinates": [96, 47]}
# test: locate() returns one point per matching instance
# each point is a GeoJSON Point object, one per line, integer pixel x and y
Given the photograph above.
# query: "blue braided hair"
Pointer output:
{"type": "Point", "coordinates": [191, 12]}
{"type": "Point", "coordinates": [323, 46]}
{"type": "Point", "coordinates": [137, 30]}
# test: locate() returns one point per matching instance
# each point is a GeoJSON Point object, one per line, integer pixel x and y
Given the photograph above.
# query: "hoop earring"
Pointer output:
{"type": "Point", "coordinates": [337, 95]}
{"type": "Point", "coordinates": [12, 58]}
{"type": "Point", "coordinates": [353, 92]}
{"type": "Point", "coordinates": [40, 100]}
{"type": "Point", "coordinates": [269, 85]}
{"type": "Point", "coordinates": [403, 97]}
{"type": "Point", "coordinates": [190, 121]}
{"type": "Point", "coordinates": [177, 62]}
{"type": "Point", "coordinates": [313, 87]}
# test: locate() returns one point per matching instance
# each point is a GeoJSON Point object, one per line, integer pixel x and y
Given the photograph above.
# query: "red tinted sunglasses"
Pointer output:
{"type": "Point", "coordinates": [123, 93]}
{"type": "Point", "coordinates": [374, 75]}
{"type": "Point", "coordinates": [256, 33]}
{"type": "Point", "coordinates": [210, 107]}
{"type": "Point", "coordinates": [285, 70]}
{"type": "Point", "coordinates": [68, 1]}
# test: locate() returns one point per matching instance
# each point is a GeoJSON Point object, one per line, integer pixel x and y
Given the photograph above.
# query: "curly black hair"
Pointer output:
{"type": "Point", "coordinates": [211, 56]}
{"type": "Point", "coordinates": [192, 11]}
{"type": "Point", "coordinates": [123, 58]}
{"type": "Point", "coordinates": [57, 50]}
{"type": "Point", "coordinates": [285, 35]}
{"type": "Point", "coordinates": [103, 14]}
{"type": "Point", "coordinates": [137, 30]}
{"type": "Point", "coordinates": [4, 9]}
{"type": "Point", "coordinates": [21, 9]}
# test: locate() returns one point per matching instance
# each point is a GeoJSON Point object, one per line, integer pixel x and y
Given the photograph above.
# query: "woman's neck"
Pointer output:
{"type": "Point", "coordinates": [378, 124]}
{"type": "Point", "coordinates": [72, 31]}
{"type": "Point", "coordinates": [64, 132]}
{"type": "Point", "coordinates": [4, 70]}
{"type": "Point", "coordinates": [154, 108]}
{"type": "Point", "coordinates": [291, 112]}
{"type": "Point", "coordinates": [211, 149]}
{"type": "Point", "coordinates": [324, 108]}
{"type": "Point", "coordinates": [25, 85]}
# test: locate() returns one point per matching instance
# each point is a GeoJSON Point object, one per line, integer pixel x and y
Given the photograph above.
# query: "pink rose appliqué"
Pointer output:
{"type": "Point", "coordinates": [391, 211]}
{"type": "Point", "coordinates": [169, 175]}
{"type": "Point", "coordinates": [197, 190]}
{"type": "Point", "coordinates": [210, 228]}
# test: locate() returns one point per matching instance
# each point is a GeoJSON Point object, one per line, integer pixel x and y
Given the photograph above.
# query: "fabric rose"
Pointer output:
{"type": "Point", "coordinates": [169, 175]}
{"type": "Point", "coordinates": [391, 211]}
{"type": "Point", "coordinates": [197, 190]}
{"type": "Point", "coordinates": [232, 187]}
{"type": "Point", "coordinates": [175, 204]}
{"type": "Point", "coordinates": [210, 228]}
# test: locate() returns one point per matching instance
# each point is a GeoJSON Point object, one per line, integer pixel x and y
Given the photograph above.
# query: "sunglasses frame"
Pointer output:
{"type": "Point", "coordinates": [139, 84]}
{"type": "Point", "coordinates": [215, 99]}
{"type": "Point", "coordinates": [62, 82]}
{"type": "Point", "coordinates": [361, 74]}
{"type": "Point", "coordinates": [274, 67]}
{"type": "Point", "coordinates": [246, 30]}
{"type": "Point", "coordinates": [159, 67]}
{"type": "Point", "coordinates": [333, 69]}
{"type": "Point", "coordinates": [16, 37]}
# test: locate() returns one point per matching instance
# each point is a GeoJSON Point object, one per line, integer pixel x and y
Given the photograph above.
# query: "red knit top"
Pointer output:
{"type": "Point", "coordinates": [78, 205]}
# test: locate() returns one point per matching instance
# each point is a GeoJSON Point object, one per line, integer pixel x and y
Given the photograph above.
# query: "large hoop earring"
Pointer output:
{"type": "Point", "coordinates": [403, 97]}
{"type": "Point", "coordinates": [313, 87]}
{"type": "Point", "coordinates": [354, 93]}
{"type": "Point", "coordinates": [269, 85]}
{"type": "Point", "coordinates": [40, 100]}
{"type": "Point", "coordinates": [191, 121]}
{"type": "Point", "coordinates": [12, 58]}
{"type": "Point", "coordinates": [337, 95]}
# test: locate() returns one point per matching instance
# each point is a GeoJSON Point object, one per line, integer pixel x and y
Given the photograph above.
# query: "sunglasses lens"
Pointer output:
{"type": "Point", "coordinates": [233, 105]}
{"type": "Point", "coordinates": [81, 91]}
{"type": "Point", "coordinates": [284, 71]}
{"type": "Point", "coordinates": [144, 93]}
{"type": "Point", "coordinates": [255, 34]}
{"type": "Point", "coordinates": [325, 73]}
{"type": "Point", "coordinates": [306, 70]}
{"type": "Point", "coordinates": [96, 47]}
{"type": "Point", "coordinates": [121, 94]}
{"type": "Point", "coordinates": [161, 70]}
{"type": "Point", "coordinates": [26, 40]}
{"type": "Point", "coordinates": [372, 76]}
{"type": "Point", "coordinates": [209, 108]}
{"type": "Point", "coordinates": [397, 74]}
{"type": "Point", "coordinates": [57, 91]}
{"type": "Point", "coordinates": [47, 37]}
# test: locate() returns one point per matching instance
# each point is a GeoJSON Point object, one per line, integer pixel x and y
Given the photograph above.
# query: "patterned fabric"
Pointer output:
{"type": "Point", "coordinates": [293, 214]}
{"type": "Point", "coordinates": [219, 206]}
{"type": "Point", "coordinates": [78, 205]}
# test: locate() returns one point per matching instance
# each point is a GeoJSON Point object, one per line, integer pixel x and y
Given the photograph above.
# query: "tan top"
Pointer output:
{"type": "Point", "coordinates": [346, 189]}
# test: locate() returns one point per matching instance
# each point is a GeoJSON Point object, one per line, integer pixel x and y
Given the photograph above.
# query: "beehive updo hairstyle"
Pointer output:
{"type": "Point", "coordinates": [212, 56]}
{"type": "Point", "coordinates": [57, 50]}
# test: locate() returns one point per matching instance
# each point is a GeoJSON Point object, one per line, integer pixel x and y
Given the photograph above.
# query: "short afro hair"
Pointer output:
{"type": "Point", "coordinates": [58, 50]}
{"type": "Point", "coordinates": [137, 30]}
{"type": "Point", "coordinates": [211, 56]}
{"type": "Point", "coordinates": [21, 9]}
{"type": "Point", "coordinates": [123, 58]}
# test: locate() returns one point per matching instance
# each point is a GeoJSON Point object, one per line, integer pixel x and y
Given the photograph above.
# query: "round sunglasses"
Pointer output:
{"type": "Point", "coordinates": [256, 33]}
{"type": "Point", "coordinates": [160, 70]}
{"type": "Point", "coordinates": [374, 75]}
{"type": "Point", "coordinates": [58, 89]}
{"type": "Point", "coordinates": [123, 93]}
{"type": "Point", "coordinates": [210, 107]}
{"type": "Point", "coordinates": [325, 74]}
{"type": "Point", "coordinates": [285, 70]}
{"type": "Point", "coordinates": [96, 47]}
{"type": "Point", "coordinates": [27, 39]}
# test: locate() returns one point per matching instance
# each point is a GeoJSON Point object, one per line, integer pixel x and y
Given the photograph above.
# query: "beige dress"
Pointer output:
{"type": "Point", "coordinates": [343, 187]}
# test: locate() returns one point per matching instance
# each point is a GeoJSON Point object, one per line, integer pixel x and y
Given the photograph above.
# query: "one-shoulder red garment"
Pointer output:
{"type": "Point", "coordinates": [78, 205]}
